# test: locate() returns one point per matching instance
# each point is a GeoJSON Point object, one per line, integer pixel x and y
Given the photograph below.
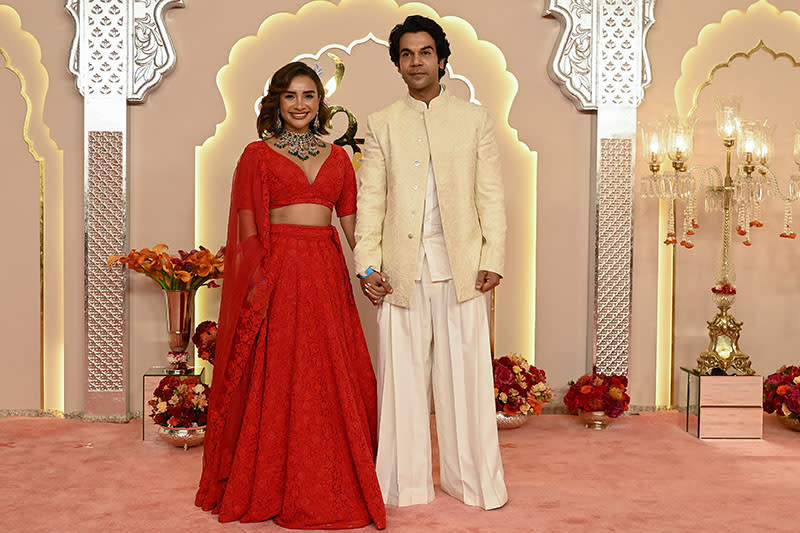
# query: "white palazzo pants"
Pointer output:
{"type": "Point", "coordinates": [440, 343]}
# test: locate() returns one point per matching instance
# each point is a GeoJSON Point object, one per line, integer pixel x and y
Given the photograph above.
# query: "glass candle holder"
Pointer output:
{"type": "Point", "coordinates": [765, 151]}
{"type": "Point", "coordinates": [727, 115]}
{"type": "Point", "coordinates": [750, 135]}
{"type": "Point", "coordinates": [797, 143]}
{"type": "Point", "coordinates": [652, 139]}
{"type": "Point", "coordinates": [680, 140]}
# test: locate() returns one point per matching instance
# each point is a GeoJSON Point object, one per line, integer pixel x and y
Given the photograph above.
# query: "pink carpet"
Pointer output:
{"type": "Point", "coordinates": [642, 474]}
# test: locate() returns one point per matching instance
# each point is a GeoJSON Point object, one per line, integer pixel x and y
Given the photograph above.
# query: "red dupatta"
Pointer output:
{"type": "Point", "coordinates": [243, 259]}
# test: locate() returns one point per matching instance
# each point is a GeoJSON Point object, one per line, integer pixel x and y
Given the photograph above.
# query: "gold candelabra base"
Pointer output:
{"type": "Point", "coordinates": [723, 350]}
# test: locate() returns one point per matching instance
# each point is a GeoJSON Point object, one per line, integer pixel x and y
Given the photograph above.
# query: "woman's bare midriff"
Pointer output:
{"type": "Point", "coordinates": [301, 214]}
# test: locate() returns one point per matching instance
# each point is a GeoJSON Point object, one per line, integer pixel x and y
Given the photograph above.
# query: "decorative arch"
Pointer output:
{"type": "Point", "coordinates": [739, 34]}
{"type": "Point", "coordinates": [318, 24]}
{"type": "Point", "coordinates": [22, 55]}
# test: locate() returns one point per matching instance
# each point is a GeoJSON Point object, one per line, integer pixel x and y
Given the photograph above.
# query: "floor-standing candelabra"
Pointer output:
{"type": "Point", "coordinates": [745, 190]}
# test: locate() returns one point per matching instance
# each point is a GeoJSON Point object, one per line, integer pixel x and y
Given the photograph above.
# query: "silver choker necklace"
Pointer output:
{"type": "Point", "coordinates": [300, 145]}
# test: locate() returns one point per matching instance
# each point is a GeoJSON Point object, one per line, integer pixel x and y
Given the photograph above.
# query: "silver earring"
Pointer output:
{"type": "Point", "coordinates": [315, 124]}
{"type": "Point", "coordinates": [278, 124]}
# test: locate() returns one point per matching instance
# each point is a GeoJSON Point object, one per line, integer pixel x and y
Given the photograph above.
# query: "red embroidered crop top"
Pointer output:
{"type": "Point", "coordinates": [334, 186]}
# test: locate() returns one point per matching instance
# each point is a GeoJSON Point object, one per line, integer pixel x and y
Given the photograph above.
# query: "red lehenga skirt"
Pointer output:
{"type": "Point", "coordinates": [304, 455]}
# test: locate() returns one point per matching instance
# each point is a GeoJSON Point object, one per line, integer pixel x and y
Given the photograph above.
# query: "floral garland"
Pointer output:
{"type": "Point", "coordinates": [518, 386]}
{"type": "Point", "coordinates": [598, 392]}
{"type": "Point", "coordinates": [782, 392]}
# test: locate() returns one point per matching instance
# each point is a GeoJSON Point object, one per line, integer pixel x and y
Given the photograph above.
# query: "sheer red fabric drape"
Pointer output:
{"type": "Point", "coordinates": [243, 260]}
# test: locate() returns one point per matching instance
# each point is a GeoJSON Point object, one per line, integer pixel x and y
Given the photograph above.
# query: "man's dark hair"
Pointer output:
{"type": "Point", "coordinates": [414, 24]}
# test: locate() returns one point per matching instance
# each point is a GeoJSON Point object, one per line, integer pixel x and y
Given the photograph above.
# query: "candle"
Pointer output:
{"type": "Point", "coordinates": [728, 129]}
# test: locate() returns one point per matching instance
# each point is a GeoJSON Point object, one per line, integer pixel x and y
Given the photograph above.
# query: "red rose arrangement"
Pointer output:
{"type": "Point", "coordinates": [205, 340]}
{"type": "Point", "coordinates": [180, 402]}
{"type": "Point", "coordinates": [598, 392]}
{"type": "Point", "coordinates": [518, 386]}
{"type": "Point", "coordinates": [782, 392]}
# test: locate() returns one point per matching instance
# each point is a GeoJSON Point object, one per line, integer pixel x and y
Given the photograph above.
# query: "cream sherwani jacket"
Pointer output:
{"type": "Point", "coordinates": [458, 139]}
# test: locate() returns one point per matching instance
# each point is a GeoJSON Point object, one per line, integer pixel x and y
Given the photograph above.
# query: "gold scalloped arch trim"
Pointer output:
{"type": "Point", "coordinates": [761, 46]}
{"type": "Point", "coordinates": [23, 91]}
{"type": "Point", "coordinates": [736, 31]}
{"type": "Point", "coordinates": [23, 57]}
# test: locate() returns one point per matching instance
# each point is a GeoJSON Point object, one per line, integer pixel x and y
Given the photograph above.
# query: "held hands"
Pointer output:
{"type": "Point", "coordinates": [375, 287]}
{"type": "Point", "coordinates": [487, 280]}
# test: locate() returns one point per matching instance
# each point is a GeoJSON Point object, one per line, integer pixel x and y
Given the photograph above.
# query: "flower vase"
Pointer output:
{"type": "Point", "coordinates": [595, 419]}
{"type": "Point", "coordinates": [180, 314]}
{"type": "Point", "coordinates": [511, 421]}
{"type": "Point", "coordinates": [185, 437]}
{"type": "Point", "coordinates": [791, 422]}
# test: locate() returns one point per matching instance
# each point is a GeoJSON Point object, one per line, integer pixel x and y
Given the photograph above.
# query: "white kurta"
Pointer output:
{"type": "Point", "coordinates": [443, 344]}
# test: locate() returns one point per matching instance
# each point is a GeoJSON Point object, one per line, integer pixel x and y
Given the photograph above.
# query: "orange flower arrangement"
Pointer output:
{"type": "Point", "coordinates": [185, 271]}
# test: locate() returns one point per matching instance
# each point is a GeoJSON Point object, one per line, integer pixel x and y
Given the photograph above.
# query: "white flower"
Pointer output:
{"type": "Point", "coordinates": [174, 358]}
{"type": "Point", "coordinates": [175, 400]}
{"type": "Point", "coordinates": [198, 388]}
{"type": "Point", "coordinates": [200, 401]}
{"type": "Point", "coordinates": [161, 407]}
{"type": "Point", "coordinates": [796, 380]}
{"type": "Point", "coordinates": [785, 410]}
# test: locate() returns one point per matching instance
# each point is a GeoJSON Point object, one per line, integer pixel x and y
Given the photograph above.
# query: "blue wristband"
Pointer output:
{"type": "Point", "coordinates": [367, 272]}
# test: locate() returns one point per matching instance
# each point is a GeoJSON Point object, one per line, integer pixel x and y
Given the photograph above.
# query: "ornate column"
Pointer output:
{"type": "Point", "coordinates": [120, 52]}
{"type": "Point", "coordinates": [601, 64]}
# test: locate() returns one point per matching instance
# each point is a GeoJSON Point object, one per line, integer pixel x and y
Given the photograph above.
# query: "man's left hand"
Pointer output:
{"type": "Point", "coordinates": [487, 280]}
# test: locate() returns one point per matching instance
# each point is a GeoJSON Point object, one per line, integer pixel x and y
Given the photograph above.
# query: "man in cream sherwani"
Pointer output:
{"type": "Point", "coordinates": [430, 232]}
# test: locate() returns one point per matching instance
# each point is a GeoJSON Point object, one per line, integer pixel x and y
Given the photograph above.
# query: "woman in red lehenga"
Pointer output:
{"type": "Point", "coordinates": [292, 424]}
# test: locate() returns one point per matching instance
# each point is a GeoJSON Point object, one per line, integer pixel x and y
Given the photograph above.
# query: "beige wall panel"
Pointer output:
{"type": "Point", "coordinates": [768, 290]}
{"type": "Point", "coordinates": [22, 60]}
{"type": "Point", "coordinates": [53, 28]}
{"type": "Point", "coordinates": [19, 219]}
{"type": "Point", "coordinates": [185, 109]}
